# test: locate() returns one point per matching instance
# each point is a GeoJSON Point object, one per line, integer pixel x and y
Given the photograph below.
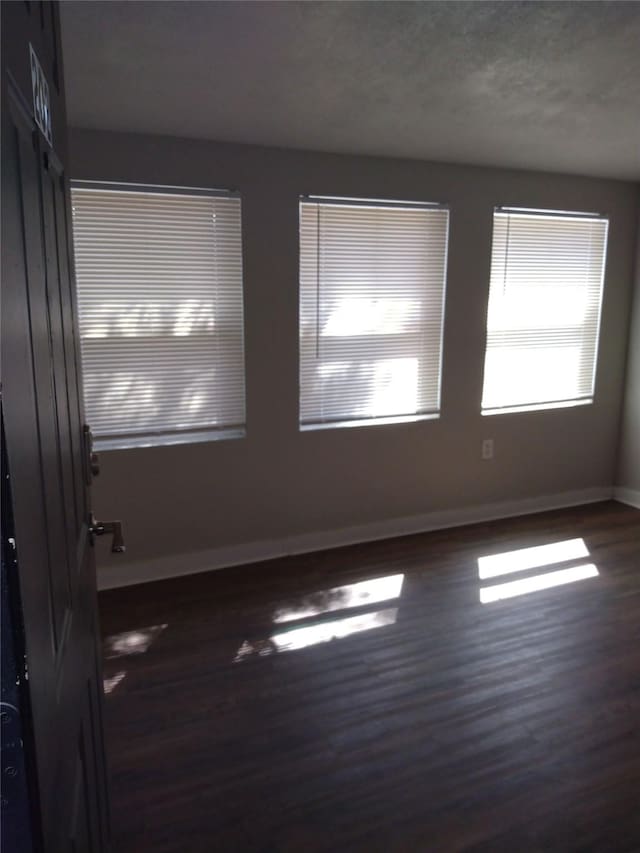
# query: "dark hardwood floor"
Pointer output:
{"type": "Point", "coordinates": [431, 722]}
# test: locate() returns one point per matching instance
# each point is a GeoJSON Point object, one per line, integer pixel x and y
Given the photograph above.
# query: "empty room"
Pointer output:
{"type": "Point", "coordinates": [320, 426]}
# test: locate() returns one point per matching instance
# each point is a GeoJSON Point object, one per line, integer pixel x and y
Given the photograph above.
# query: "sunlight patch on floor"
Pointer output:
{"type": "Point", "coordinates": [307, 611]}
{"type": "Point", "coordinates": [537, 582]}
{"type": "Point", "coordinates": [342, 597]}
{"type": "Point", "coordinates": [132, 642]}
{"type": "Point", "coordinates": [531, 558]}
{"type": "Point", "coordinates": [320, 632]}
{"type": "Point", "coordinates": [110, 684]}
{"type": "Point", "coordinates": [547, 557]}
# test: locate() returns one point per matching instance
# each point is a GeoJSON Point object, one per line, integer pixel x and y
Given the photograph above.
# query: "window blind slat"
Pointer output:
{"type": "Point", "coordinates": [543, 317]}
{"type": "Point", "coordinates": [372, 282]}
{"type": "Point", "coordinates": [160, 307]}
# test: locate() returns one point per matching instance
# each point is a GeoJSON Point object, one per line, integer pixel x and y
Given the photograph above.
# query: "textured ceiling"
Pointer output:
{"type": "Point", "coordinates": [537, 85]}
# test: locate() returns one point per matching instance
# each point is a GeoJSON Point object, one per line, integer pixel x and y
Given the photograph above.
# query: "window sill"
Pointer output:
{"type": "Point", "coordinates": [538, 407]}
{"type": "Point", "coordinates": [128, 442]}
{"type": "Point", "coordinates": [368, 422]}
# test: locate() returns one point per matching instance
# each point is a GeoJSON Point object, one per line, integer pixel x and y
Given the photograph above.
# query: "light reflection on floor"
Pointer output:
{"type": "Point", "coordinates": [132, 642]}
{"type": "Point", "coordinates": [546, 557]}
{"type": "Point", "coordinates": [125, 644]}
{"type": "Point", "coordinates": [537, 582]}
{"type": "Point", "coordinates": [531, 558]}
{"type": "Point", "coordinates": [110, 684]}
{"type": "Point", "coordinates": [337, 629]}
{"type": "Point", "coordinates": [341, 597]}
{"type": "Point", "coordinates": [320, 632]}
{"type": "Point", "coordinates": [307, 633]}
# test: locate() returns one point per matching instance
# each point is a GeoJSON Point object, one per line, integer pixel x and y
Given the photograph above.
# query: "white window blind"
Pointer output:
{"type": "Point", "coordinates": [159, 278]}
{"type": "Point", "coordinates": [547, 272]}
{"type": "Point", "coordinates": [372, 286]}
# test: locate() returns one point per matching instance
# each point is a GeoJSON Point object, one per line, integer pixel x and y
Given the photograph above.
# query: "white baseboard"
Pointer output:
{"type": "Point", "coordinates": [176, 565]}
{"type": "Point", "coordinates": [627, 496]}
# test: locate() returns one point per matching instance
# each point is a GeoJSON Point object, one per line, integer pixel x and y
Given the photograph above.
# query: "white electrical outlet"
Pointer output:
{"type": "Point", "coordinates": [487, 448]}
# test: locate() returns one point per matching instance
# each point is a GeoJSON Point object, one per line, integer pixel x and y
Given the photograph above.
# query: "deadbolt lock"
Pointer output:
{"type": "Point", "coordinates": [91, 457]}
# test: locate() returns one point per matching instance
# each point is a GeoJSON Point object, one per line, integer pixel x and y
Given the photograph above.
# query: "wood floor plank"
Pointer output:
{"type": "Point", "coordinates": [430, 721]}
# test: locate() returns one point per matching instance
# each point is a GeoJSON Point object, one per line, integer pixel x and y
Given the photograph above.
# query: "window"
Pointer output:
{"type": "Point", "coordinates": [159, 277]}
{"type": "Point", "coordinates": [547, 271]}
{"type": "Point", "coordinates": [372, 285]}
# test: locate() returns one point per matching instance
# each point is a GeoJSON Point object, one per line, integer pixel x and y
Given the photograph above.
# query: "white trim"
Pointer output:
{"type": "Point", "coordinates": [627, 496]}
{"type": "Point", "coordinates": [367, 422]}
{"type": "Point", "coordinates": [126, 442]}
{"type": "Point", "coordinates": [538, 407]}
{"type": "Point", "coordinates": [118, 573]}
{"type": "Point", "coordinates": [161, 189]}
{"type": "Point", "coordinates": [530, 212]}
{"type": "Point", "coordinates": [371, 202]}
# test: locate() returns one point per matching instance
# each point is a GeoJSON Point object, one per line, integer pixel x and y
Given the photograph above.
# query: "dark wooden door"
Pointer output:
{"type": "Point", "coordinates": [47, 457]}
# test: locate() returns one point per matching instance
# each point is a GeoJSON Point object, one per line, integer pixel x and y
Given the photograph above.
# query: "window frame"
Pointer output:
{"type": "Point", "coordinates": [549, 405]}
{"type": "Point", "coordinates": [166, 437]}
{"type": "Point", "coordinates": [373, 420]}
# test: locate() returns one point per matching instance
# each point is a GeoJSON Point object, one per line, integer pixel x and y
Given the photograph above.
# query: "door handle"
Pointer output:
{"type": "Point", "coordinates": [99, 528]}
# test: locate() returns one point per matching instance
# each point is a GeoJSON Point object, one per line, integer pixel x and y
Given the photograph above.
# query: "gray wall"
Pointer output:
{"type": "Point", "coordinates": [629, 459]}
{"type": "Point", "coordinates": [279, 482]}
